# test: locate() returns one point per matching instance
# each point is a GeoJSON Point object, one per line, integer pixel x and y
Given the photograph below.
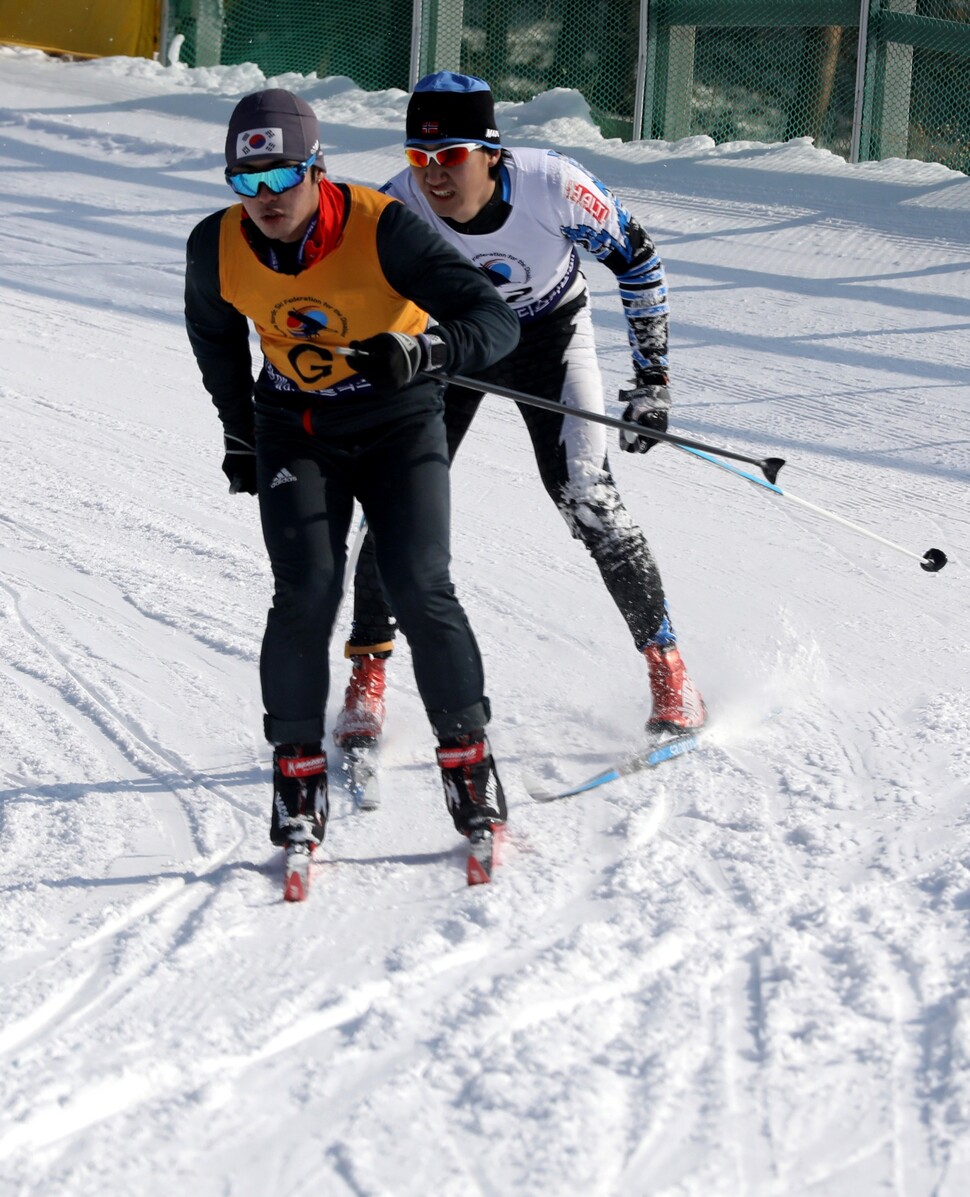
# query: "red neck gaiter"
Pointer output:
{"type": "Point", "coordinates": [323, 235]}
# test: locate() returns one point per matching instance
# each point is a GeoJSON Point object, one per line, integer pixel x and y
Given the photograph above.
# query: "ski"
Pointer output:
{"type": "Point", "coordinates": [296, 872]}
{"type": "Point", "coordinates": [484, 853]}
{"type": "Point", "coordinates": [648, 758]}
{"type": "Point", "coordinates": [359, 765]}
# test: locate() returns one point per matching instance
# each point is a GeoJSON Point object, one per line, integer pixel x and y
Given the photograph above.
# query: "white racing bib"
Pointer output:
{"type": "Point", "coordinates": [532, 259]}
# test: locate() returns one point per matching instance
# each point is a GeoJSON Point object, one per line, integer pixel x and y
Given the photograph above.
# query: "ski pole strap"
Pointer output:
{"type": "Point", "coordinates": [932, 560]}
{"type": "Point", "coordinates": [768, 465]}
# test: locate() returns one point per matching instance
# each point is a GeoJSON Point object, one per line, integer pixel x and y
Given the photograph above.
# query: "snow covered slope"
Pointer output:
{"type": "Point", "coordinates": [742, 975]}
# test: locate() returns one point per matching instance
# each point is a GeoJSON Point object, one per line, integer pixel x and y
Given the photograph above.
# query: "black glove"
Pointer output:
{"type": "Point", "coordinates": [646, 405]}
{"type": "Point", "coordinates": [239, 464]}
{"type": "Point", "coordinates": [391, 359]}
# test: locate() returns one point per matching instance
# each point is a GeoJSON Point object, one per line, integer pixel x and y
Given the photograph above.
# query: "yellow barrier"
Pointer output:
{"type": "Point", "coordinates": [95, 29]}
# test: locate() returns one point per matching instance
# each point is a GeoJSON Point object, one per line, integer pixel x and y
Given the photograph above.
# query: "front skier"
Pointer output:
{"type": "Point", "coordinates": [315, 266]}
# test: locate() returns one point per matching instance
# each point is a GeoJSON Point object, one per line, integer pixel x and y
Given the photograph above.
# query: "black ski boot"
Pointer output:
{"type": "Point", "coordinates": [473, 792]}
{"type": "Point", "coordinates": [300, 802]}
{"type": "Point", "coordinates": [475, 798]}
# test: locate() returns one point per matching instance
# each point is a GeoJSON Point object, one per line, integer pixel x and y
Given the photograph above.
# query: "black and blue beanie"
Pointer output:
{"type": "Point", "coordinates": [447, 107]}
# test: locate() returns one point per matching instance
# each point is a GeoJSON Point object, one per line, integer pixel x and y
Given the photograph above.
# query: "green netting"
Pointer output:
{"type": "Point", "coordinates": [370, 41]}
{"type": "Point", "coordinates": [754, 83]}
{"type": "Point", "coordinates": [757, 70]}
{"type": "Point", "coordinates": [917, 96]}
{"type": "Point", "coordinates": [367, 40]}
{"type": "Point", "coordinates": [525, 48]}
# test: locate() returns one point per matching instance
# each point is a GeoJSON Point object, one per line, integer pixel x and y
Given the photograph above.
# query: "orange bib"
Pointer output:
{"type": "Point", "coordinates": [344, 297]}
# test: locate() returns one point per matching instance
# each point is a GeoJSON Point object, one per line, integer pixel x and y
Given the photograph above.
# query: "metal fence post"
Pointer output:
{"type": "Point", "coordinates": [641, 87]}
{"type": "Point", "coordinates": [440, 35]}
{"type": "Point", "coordinates": [414, 65]}
{"type": "Point", "coordinates": [208, 31]}
{"type": "Point", "coordinates": [163, 38]}
{"type": "Point", "coordinates": [860, 80]}
{"type": "Point", "coordinates": [895, 95]}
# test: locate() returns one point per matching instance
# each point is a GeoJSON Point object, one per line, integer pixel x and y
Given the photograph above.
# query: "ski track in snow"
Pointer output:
{"type": "Point", "coordinates": [743, 974]}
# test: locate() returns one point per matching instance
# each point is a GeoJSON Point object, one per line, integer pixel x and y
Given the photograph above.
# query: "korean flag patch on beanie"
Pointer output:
{"type": "Point", "coordinates": [272, 124]}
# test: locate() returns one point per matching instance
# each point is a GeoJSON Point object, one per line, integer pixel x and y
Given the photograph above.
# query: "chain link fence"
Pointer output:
{"type": "Point", "coordinates": [866, 79]}
{"type": "Point", "coordinates": [749, 71]}
{"type": "Point", "coordinates": [917, 82]}
{"type": "Point", "coordinates": [524, 47]}
{"type": "Point", "coordinates": [367, 40]}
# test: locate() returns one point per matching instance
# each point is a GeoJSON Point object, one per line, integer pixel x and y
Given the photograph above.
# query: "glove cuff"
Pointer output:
{"type": "Point", "coordinates": [434, 352]}
{"type": "Point", "coordinates": [650, 376]}
{"type": "Point", "coordinates": [642, 399]}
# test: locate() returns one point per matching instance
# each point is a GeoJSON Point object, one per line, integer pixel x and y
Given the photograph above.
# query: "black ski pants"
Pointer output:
{"type": "Point", "coordinates": [307, 487]}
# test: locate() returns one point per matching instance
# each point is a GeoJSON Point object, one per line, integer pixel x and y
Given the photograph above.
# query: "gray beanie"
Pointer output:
{"type": "Point", "coordinates": [272, 124]}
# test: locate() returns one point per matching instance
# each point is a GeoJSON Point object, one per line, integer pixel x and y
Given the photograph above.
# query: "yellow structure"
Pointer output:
{"type": "Point", "coordinates": [87, 28]}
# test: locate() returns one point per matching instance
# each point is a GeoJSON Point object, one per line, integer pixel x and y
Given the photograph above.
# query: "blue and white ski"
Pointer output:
{"type": "Point", "coordinates": [648, 758]}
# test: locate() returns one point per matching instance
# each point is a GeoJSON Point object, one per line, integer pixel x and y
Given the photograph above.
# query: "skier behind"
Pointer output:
{"type": "Point", "coordinates": [519, 214]}
{"type": "Point", "coordinates": [315, 265]}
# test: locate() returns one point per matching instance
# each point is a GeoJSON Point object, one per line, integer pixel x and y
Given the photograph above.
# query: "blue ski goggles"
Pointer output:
{"type": "Point", "coordinates": [278, 180]}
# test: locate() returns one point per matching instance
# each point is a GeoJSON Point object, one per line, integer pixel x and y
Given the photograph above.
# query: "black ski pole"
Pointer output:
{"type": "Point", "coordinates": [769, 466]}
{"type": "Point", "coordinates": [932, 561]}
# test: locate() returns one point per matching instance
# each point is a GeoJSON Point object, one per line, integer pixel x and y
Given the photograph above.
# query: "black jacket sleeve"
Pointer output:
{"type": "Point", "coordinates": [218, 333]}
{"type": "Point", "coordinates": [473, 320]}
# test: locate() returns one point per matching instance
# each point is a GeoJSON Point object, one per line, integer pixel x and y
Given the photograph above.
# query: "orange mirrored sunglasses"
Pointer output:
{"type": "Point", "coordinates": [449, 155]}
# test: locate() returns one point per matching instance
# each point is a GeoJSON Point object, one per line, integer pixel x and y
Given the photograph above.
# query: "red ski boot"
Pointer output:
{"type": "Point", "coordinates": [362, 719]}
{"type": "Point", "coordinates": [677, 703]}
